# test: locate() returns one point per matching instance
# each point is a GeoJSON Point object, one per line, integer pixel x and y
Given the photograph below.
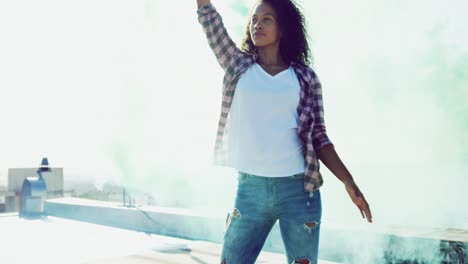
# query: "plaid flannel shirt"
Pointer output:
{"type": "Point", "coordinates": [311, 127]}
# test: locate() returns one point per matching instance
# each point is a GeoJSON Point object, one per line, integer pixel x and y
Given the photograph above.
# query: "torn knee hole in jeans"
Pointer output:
{"type": "Point", "coordinates": [301, 261]}
{"type": "Point", "coordinates": [310, 225]}
{"type": "Point", "coordinates": [235, 213]}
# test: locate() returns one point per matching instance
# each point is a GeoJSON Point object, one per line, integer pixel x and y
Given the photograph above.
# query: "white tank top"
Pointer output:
{"type": "Point", "coordinates": [263, 137]}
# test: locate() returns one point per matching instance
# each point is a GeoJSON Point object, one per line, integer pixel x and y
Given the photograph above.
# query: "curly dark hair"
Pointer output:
{"type": "Point", "coordinates": [293, 44]}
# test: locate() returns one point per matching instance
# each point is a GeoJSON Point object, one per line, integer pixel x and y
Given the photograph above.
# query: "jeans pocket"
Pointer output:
{"type": "Point", "coordinates": [242, 177]}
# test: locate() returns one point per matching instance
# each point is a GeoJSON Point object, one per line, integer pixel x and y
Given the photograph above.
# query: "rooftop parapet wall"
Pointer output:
{"type": "Point", "coordinates": [343, 244]}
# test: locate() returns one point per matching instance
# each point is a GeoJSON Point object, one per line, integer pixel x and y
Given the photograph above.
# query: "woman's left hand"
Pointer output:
{"type": "Point", "coordinates": [358, 199]}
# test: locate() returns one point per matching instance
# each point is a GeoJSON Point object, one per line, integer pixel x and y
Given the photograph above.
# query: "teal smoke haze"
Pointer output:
{"type": "Point", "coordinates": [129, 91]}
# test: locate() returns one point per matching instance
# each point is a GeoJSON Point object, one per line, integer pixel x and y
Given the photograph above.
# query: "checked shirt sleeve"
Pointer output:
{"type": "Point", "coordinates": [319, 133]}
{"type": "Point", "coordinates": [218, 38]}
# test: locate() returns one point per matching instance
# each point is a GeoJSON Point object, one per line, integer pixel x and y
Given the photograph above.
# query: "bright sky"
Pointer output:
{"type": "Point", "coordinates": [129, 91]}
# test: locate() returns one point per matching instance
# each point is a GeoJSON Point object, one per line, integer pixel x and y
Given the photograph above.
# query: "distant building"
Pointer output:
{"type": "Point", "coordinates": [16, 176]}
{"type": "Point", "coordinates": [3, 191]}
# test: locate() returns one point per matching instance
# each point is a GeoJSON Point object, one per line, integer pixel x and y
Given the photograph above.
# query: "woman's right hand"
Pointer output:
{"type": "Point", "coordinates": [358, 199]}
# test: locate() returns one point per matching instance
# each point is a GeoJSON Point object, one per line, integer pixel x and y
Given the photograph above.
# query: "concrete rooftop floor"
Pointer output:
{"type": "Point", "coordinates": [57, 240]}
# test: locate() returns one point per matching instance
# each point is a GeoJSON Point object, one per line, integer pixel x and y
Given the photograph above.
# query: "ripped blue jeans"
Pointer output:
{"type": "Point", "coordinates": [260, 202]}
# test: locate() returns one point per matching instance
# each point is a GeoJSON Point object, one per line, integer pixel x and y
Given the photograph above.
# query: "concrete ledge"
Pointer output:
{"type": "Point", "coordinates": [183, 223]}
{"type": "Point", "coordinates": [371, 244]}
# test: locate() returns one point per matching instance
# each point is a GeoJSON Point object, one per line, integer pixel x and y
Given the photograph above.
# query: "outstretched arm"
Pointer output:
{"type": "Point", "coordinates": [330, 158]}
{"type": "Point", "coordinates": [219, 40]}
{"type": "Point", "coordinates": [327, 154]}
{"type": "Point", "coordinates": [201, 3]}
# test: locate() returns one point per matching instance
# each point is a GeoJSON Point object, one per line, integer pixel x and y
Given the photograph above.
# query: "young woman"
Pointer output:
{"type": "Point", "coordinates": [272, 131]}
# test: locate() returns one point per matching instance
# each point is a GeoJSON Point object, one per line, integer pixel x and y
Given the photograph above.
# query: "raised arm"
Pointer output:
{"type": "Point", "coordinates": [201, 3]}
{"type": "Point", "coordinates": [219, 40]}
